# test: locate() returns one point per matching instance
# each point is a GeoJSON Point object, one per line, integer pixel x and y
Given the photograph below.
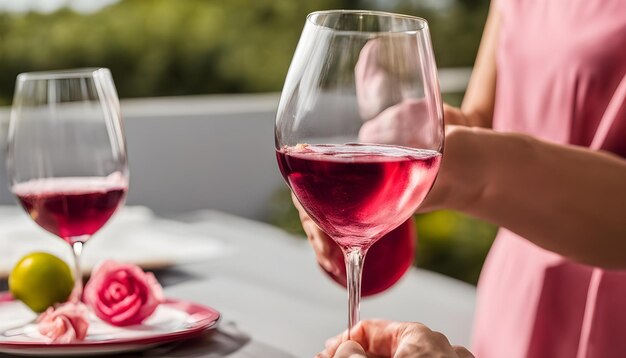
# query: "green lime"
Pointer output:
{"type": "Point", "coordinates": [40, 280]}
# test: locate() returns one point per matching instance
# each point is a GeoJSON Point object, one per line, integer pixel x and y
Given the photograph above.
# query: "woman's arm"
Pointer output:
{"type": "Point", "coordinates": [478, 102]}
{"type": "Point", "coordinates": [567, 199]}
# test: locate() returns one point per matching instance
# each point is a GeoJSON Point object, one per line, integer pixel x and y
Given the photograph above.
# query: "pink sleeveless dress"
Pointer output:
{"type": "Point", "coordinates": [561, 77]}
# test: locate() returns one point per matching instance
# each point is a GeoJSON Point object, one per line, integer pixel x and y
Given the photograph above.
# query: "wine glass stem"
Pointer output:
{"type": "Point", "coordinates": [77, 293]}
{"type": "Point", "coordinates": [354, 266]}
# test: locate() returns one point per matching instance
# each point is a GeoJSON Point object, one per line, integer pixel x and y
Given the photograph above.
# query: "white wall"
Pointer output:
{"type": "Point", "coordinates": [192, 153]}
{"type": "Point", "coordinates": [204, 152]}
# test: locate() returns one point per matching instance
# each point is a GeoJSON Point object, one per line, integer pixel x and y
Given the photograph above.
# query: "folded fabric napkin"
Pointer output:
{"type": "Point", "coordinates": [133, 235]}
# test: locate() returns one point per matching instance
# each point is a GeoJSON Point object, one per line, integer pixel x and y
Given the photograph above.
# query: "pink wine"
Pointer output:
{"type": "Point", "coordinates": [387, 260]}
{"type": "Point", "coordinates": [72, 208]}
{"type": "Point", "coordinates": [357, 193]}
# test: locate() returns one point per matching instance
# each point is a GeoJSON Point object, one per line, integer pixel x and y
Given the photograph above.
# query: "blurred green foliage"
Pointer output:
{"type": "Point", "coordinates": [455, 31]}
{"type": "Point", "coordinates": [162, 47]}
{"type": "Point", "coordinates": [453, 244]}
{"type": "Point", "coordinates": [183, 47]}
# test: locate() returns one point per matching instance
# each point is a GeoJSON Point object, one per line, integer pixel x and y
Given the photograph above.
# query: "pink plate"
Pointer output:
{"type": "Point", "coordinates": [174, 320]}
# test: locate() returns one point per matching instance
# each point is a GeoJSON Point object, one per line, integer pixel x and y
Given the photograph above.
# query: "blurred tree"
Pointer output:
{"type": "Point", "coordinates": [351, 4]}
{"type": "Point", "coordinates": [455, 30]}
{"type": "Point", "coordinates": [162, 47]}
{"type": "Point", "coordinates": [475, 4]}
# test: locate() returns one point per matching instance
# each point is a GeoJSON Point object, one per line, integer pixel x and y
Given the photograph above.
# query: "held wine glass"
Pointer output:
{"type": "Point", "coordinates": [359, 128]}
{"type": "Point", "coordinates": [67, 155]}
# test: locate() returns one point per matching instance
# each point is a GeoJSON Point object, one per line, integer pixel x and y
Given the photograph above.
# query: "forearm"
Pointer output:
{"type": "Point", "coordinates": [469, 117]}
{"type": "Point", "coordinates": [479, 100]}
{"type": "Point", "coordinates": [566, 199]}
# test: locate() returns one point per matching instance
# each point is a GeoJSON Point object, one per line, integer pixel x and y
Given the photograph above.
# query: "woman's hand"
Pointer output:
{"type": "Point", "coordinates": [328, 253]}
{"type": "Point", "coordinates": [407, 124]}
{"type": "Point", "coordinates": [379, 338]}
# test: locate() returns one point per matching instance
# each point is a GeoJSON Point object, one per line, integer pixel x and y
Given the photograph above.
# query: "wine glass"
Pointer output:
{"type": "Point", "coordinates": [66, 154]}
{"type": "Point", "coordinates": [359, 129]}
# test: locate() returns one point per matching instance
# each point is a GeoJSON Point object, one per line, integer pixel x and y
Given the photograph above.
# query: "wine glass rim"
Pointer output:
{"type": "Point", "coordinates": [62, 74]}
{"type": "Point", "coordinates": [423, 23]}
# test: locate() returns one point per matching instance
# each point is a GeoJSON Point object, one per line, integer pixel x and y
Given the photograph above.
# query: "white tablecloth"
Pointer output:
{"type": "Point", "coordinates": [132, 235]}
{"type": "Point", "coordinates": [274, 300]}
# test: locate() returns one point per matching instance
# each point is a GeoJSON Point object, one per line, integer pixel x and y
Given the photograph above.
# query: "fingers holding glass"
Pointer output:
{"type": "Point", "coordinates": [383, 338]}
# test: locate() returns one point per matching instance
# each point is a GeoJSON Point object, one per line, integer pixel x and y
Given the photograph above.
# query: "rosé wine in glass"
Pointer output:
{"type": "Point", "coordinates": [387, 260]}
{"type": "Point", "coordinates": [71, 208]}
{"type": "Point", "coordinates": [357, 193]}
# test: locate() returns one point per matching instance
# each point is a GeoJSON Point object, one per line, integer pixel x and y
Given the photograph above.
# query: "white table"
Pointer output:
{"type": "Point", "coordinates": [275, 302]}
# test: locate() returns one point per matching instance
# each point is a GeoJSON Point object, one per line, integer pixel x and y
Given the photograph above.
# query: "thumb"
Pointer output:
{"type": "Point", "coordinates": [350, 349]}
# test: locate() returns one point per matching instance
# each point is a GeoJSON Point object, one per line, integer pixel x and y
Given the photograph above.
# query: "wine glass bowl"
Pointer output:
{"type": "Point", "coordinates": [66, 153]}
{"type": "Point", "coordinates": [379, 271]}
{"type": "Point", "coordinates": [359, 128]}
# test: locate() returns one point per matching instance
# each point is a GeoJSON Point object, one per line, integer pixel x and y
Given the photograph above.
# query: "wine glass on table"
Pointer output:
{"type": "Point", "coordinates": [359, 129]}
{"type": "Point", "coordinates": [66, 154]}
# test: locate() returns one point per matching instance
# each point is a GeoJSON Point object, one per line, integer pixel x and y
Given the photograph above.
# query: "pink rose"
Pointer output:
{"type": "Point", "coordinates": [122, 294]}
{"type": "Point", "coordinates": [67, 323]}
